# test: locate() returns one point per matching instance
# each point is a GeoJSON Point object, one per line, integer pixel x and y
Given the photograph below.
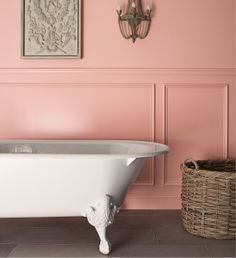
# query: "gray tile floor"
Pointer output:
{"type": "Point", "coordinates": [133, 234]}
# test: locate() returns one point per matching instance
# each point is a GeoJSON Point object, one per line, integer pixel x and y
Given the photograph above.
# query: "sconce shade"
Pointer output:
{"type": "Point", "coordinates": [134, 23]}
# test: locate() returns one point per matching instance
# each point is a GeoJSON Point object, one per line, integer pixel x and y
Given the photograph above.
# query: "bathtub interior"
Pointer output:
{"type": "Point", "coordinates": [96, 147]}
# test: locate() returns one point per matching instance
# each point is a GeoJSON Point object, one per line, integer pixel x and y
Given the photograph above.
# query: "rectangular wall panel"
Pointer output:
{"type": "Point", "coordinates": [196, 124]}
{"type": "Point", "coordinates": [91, 111]}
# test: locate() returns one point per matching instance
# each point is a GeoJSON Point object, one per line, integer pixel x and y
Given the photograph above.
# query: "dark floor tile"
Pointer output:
{"type": "Point", "coordinates": [131, 236]}
{"type": "Point", "coordinates": [12, 235]}
{"type": "Point", "coordinates": [133, 222]}
{"type": "Point", "coordinates": [158, 251]}
{"type": "Point", "coordinates": [166, 213]}
{"type": "Point", "coordinates": [56, 251]}
{"type": "Point", "coordinates": [167, 218]}
{"type": "Point", "coordinates": [181, 251]}
{"type": "Point", "coordinates": [135, 233]}
{"type": "Point", "coordinates": [16, 222]}
{"type": "Point", "coordinates": [171, 232]}
{"type": "Point", "coordinates": [59, 236]}
{"type": "Point", "coordinates": [162, 222]}
{"type": "Point", "coordinates": [149, 220]}
{"type": "Point", "coordinates": [120, 250]}
{"type": "Point", "coordinates": [222, 250]}
{"type": "Point", "coordinates": [135, 213]}
{"type": "Point", "coordinates": [86, 235]}
{"type": "Point", "coordinates": [48, 236]}
{"type": "Point", "coordinates": [225, 242]}
{"type": "Point", "coordinates": [81, 225]}
{"type": "Point", "coordinates": [63, 222]}
{"type": "Point", "coordinates": [5, 249]}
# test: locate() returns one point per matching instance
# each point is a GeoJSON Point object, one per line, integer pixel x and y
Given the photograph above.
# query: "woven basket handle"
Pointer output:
{"type": "Point", "coordinates": [193, 161]}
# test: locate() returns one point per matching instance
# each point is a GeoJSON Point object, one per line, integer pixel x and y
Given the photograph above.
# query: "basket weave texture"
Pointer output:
{"type": "Point", "coordinates": [209, 198]}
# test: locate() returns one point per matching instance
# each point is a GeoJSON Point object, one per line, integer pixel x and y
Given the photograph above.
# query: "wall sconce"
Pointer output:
{"type": "Point", "coordinates": [134, 24]}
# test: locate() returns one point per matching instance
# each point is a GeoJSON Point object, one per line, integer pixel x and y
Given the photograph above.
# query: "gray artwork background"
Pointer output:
{"type": "Point", "coordinates": [51, 28]}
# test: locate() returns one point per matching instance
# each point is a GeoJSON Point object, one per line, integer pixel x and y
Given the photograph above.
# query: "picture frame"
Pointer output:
{"type": "Point", "coordinates": [51, 29]}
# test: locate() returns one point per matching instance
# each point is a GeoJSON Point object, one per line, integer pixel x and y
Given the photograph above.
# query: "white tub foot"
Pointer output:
{"type": "Point", "coordinates": [101, 215]}
{"type": "Point", "coordinates": [105, 245]}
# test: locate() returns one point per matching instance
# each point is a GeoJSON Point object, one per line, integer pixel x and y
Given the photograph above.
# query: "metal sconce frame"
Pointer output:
{"type": "Point", "coordinates": [134, 23]}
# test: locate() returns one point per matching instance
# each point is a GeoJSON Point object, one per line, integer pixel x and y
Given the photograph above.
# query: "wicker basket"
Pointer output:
{"type": "Point", "coordinates": [209, 198]}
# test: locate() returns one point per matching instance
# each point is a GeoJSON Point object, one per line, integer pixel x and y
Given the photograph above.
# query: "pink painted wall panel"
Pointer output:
{"type": "Point", "coordinates": [196, 124]}
{"type": "Point", "coordinates": [93, 111]}
{"type": "Point", "coordinates": [76, 111]}
{"type": "Point", "coordinates": [184, 33]}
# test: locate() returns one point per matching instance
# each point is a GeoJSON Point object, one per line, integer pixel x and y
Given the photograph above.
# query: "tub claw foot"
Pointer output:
{"type": "Point", "coordinates": [105, 245]}
{"type": "Point", "coordinates": [101, 215]}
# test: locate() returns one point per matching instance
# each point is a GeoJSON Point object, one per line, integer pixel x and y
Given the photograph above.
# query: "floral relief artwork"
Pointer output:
{"type": "Point", "coordinates": [51, 28]}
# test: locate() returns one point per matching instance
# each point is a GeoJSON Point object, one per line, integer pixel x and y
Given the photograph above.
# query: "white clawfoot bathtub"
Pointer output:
{"type": "Point", "coordinates": [52, 178]}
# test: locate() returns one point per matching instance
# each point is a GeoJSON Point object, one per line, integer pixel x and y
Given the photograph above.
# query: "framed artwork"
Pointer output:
{"type": "Point", "coordinates": [51, 29]}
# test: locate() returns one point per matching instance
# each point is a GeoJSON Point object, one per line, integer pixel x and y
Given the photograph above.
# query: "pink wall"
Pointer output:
{"type": "Point", "coordinates": [177, 86]}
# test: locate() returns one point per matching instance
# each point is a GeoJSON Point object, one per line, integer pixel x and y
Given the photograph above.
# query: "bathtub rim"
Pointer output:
{"type": "Point", "coordinates": [163, 149]}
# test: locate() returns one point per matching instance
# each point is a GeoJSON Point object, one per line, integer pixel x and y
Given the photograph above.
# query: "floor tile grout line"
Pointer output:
{"type": "Point", "coordinates": [208, 251]}
{"type": "Point", "coordinates": [156, 238]}
{"type": "Point", "coordinates": [8, 255]}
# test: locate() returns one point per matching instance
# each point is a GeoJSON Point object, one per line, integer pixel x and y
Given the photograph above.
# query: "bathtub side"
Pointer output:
{"type": "Point", "coordinates": [45, 186]}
